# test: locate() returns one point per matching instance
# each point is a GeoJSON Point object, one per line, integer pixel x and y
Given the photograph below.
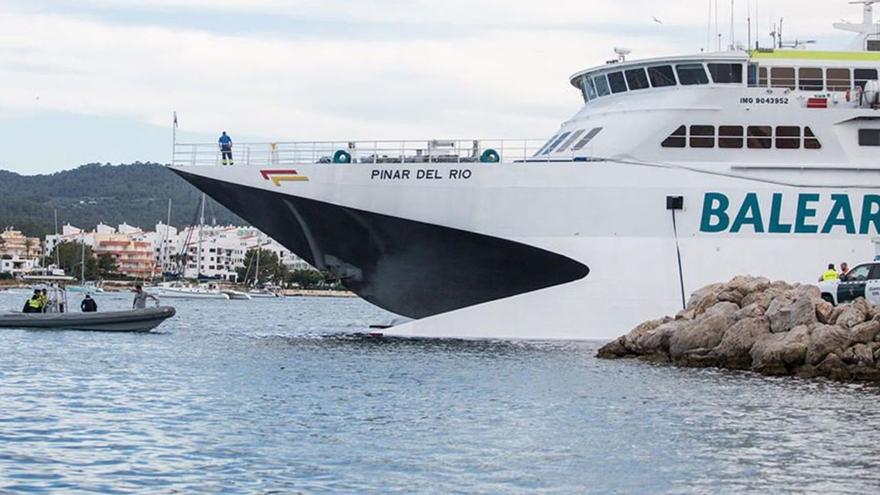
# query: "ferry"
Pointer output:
{"type": "Point", "coordinates": [675, 173]}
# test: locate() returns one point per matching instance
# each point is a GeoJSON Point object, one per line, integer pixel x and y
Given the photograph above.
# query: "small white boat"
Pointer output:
{"type": "Point", "coordinates": [236, 295]}
{"type": "Point", "coordinates": [86, 288]}
{"type": "Point", "coordinates": [179, 291]}
{"type": "Point", "coordinates": [137, 320]}
{"type": "Point", "coordinates": [262, 294]}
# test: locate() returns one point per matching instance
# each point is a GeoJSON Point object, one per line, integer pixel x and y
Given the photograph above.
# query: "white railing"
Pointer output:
{"type": "Point", "coordinates": [371, 152]}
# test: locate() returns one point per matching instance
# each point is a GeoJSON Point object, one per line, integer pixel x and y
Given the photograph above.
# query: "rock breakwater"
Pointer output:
{"type": "Point", "coordinates": [773, 328]}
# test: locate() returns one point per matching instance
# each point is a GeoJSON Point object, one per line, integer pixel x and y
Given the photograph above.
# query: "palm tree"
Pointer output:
{"type": "Point", "coordinates": [28, 244]}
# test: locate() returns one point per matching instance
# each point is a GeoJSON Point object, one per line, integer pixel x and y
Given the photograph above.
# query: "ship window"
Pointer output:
{"type": "Point", "coordinates": [762, 77]}
{"type": "Point", "coordinates": [570, 140]}
{"type": "Point", "coordinates": [546, 145]}
{"type": "Point", "coordinates": [677, 139]}
{"type": "Point", "coordinates": [759, 137]}
{"type": "Point", "coordinates": [586, 139]}
{"type": "Point", "coordinates": [602, 85]}
{"type": "Point", "coordinates": [617, 83]}
{"type": "Point", "coordinates": [838, 79]}
{"type": "Point", "coordinates": [810, 79]}
{"type": "Point", "coordinates": [558, 140]}
{"type": "Point", "coordinates": [636, 79]}
{"type": "Point", "coordinates": [730, 136]}
{"type": "Point", "coordinates": [788, 137]}
{"type": "Point", "coordinates": [702, 136]}
{"type": "Point", "coordinates": [661, 76]}
{"type": "Point", "coordinates": [726, 73]}
{"type": "Point", "coordinates": [583, 90]}
{"type": "Point", "coordinates": [869, 137]}
{"type": "Point", "coordinates": [690, 74]}
{"type": "Point", "coordinates": [810, 141]}
{"type": "Point", "coordinates": [753, 75]}
{"type": "Point", "coordinates": [782, 77]}
{"type": "Point", "coordinates": [864, 75]}
{"type": "Point", "coordinates": [873, 45]}
{"type": "Point", "coordinates": [591, 88]}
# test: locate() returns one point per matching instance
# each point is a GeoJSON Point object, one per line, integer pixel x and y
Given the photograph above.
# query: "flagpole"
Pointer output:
{"type": "Point", "coordinates": [174, 137]}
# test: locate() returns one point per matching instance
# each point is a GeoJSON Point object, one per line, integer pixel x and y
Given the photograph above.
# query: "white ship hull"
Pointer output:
{"type": "Point", "coordinates": [676, 173]}
{"type": "Point", "coordinates": [609, 217]}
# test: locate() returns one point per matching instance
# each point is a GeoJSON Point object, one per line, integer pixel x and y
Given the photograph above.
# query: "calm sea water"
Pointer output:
{"type": "Point", "coordinates": [280, 396]}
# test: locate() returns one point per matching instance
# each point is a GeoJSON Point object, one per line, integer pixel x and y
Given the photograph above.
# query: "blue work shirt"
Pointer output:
{"type": "Point", "coordinates": [225, 140]}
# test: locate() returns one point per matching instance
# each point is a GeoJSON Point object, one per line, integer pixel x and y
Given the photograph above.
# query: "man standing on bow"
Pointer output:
{"type": "Point", "coordinates": [225, 143]}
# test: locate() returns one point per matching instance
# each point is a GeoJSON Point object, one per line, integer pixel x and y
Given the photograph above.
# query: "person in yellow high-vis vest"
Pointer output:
{"type": "Point", "coordinates": [830, 274]}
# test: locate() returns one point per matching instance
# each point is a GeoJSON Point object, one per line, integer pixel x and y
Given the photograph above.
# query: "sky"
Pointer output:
{"type": "Point", "coordinates": [85, 81]}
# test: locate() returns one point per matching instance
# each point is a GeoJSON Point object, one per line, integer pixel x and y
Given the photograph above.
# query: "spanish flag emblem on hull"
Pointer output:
{"type": "Point", "coordinates": [279, 176]}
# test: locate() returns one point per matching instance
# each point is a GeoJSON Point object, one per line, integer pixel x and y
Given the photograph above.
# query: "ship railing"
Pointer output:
{"type": "Point", "coordinates": [366, 152]}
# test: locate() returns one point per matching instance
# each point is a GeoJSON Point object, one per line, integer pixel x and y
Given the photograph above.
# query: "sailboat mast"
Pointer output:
{"type": "Point", "coordinates": [57, 242]}
{"type": "Point", "coordinates": [257, 272]}
{"type": "Point", "coordinates": [165, 261]}
{"type": "Point", "coordinates": [82, 268]}
{"type": "Point", "coordinates": [201, 228]}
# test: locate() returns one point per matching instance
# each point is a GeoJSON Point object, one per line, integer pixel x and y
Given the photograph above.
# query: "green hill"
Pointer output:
{"type": "Point", "coordinates": [137, 194]}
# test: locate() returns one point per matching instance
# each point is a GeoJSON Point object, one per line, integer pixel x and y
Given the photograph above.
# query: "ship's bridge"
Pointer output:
{"type": "Point", "coordinates": [796, 70]}
{"type": "Point", "coordinates": [619, 78]}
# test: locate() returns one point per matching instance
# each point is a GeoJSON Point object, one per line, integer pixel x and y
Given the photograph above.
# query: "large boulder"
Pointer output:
{"type": "Point", "coordinates": [631, 339]}
{"type": "Point", "coordinates": [762, 298]}
{"type": "Point", "coordinates": [705, 333]}
{"type": "Point", "coordinates": [614, 349]}
{"type": "Point", "coordinates": [737, 342]}
{"type": "Point", "coordinates": [700, 294]}
{"type": "Point", "coordinates": [785, 314]}
{"type": "Point", "coordinates": [833, 367]}
{"type": "Point", "coordinates": [854, 314]}
{"type": "Point", "coordinates": [703, 299]}
{"type": "Point", "coordinates": [753, 310]}
{"type": "Point", "coordinates": [859, 355]}
{"type": "Point", "coordinates": [656, 341]}
{"type": "Point", "coordinates": [824, 310]}
{"type": "Point", "coordinates": [864, 333]}
{"type": "Point", "coordinates": [824, 340]}
{"type": "Point", "coordinates": [730, 295]}
{"type": "Point", "coordinates": [778, 353]}
{"type": "Point", "coordinates": [809, 291]}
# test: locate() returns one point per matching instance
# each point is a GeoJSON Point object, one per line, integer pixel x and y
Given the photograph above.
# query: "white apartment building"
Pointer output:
{"type": "Point", "coordinates": [147, 254]}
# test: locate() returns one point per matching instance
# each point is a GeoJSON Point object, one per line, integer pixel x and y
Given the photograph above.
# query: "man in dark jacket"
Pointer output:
{"type": "Point", "coordinates": [88, 305]}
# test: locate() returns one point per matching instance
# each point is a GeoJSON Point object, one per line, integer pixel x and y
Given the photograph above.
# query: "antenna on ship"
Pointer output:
{"type": "Point", "coordinates": [622, 53]}
{"type": "Point", "coordinates": [867, 30]}
{"type": "Point", "coordinates": [732, 46]}
{"type": "Point", "coordinates": [749, 20]}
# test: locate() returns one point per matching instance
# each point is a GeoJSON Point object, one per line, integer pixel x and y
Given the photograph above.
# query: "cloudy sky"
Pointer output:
{"type": "Point", "coordinates": [97, 80]}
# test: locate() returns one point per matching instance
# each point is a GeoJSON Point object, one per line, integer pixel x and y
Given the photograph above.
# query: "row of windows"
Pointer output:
{"type": "Point", "coordinates": [810, 78]}
{"type": "Point", "coordinates": [659, 76]}
{"type": "Point", "coordinates": [737, 136]}
{"type": "Point", "coordinates": [562, 141]}
{"type": "Point", "coordinates": [689, 74]}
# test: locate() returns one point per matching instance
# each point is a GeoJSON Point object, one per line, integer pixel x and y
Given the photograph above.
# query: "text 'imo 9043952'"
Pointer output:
{"type": "Point", "coordinates": [677, 172]}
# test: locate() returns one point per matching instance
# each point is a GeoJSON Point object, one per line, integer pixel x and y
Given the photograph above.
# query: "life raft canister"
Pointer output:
{"type": "Point", "coordinates": [342, 156]}
{"type": "Point", "coordinates": [490, 156]}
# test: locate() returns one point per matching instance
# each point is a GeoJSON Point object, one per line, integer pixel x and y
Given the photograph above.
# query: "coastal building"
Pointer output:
{"type": "Point", "coordinates": [209, 251]}
{"type": "Point", "coordinates": [14, 243]}
{"type": "Point", "coordinates": [223, 250]}
{"type": "Point", "coordinates": [130, 247]}
{"type": "Point", "coordinates": [16, 266]}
